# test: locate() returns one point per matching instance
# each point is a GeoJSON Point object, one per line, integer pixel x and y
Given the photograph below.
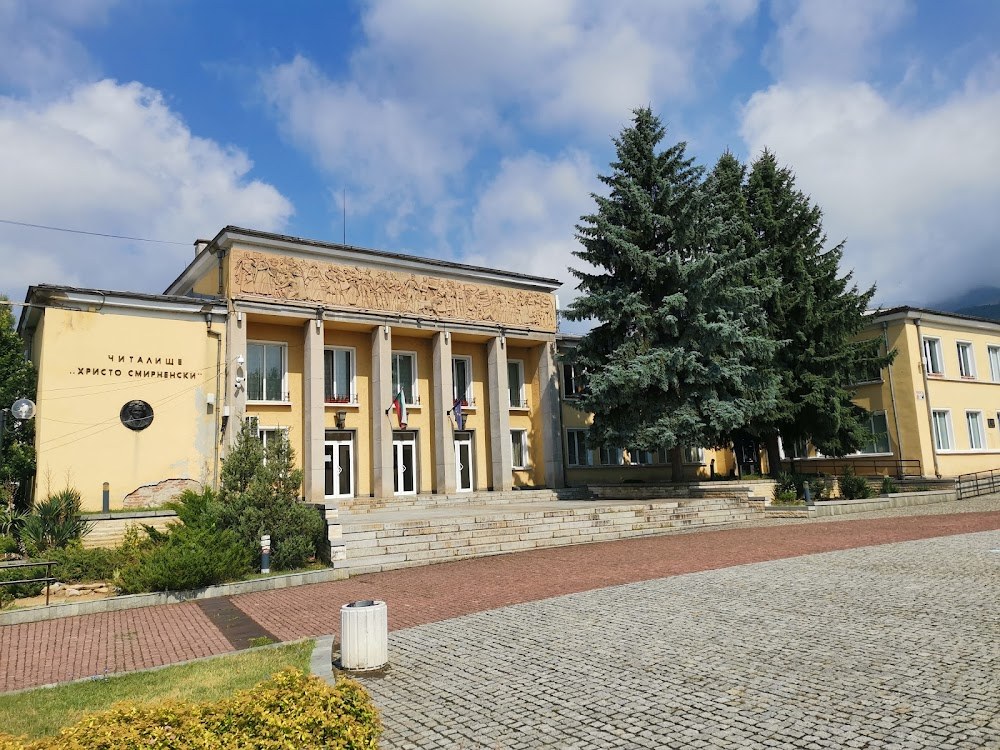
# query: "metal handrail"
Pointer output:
{"type": "Point", "coordinates": [48, 579]}
{"type": "Point", "coordinates": [973, 483]}
{"type": "Point", "coordinates": [870, 467]}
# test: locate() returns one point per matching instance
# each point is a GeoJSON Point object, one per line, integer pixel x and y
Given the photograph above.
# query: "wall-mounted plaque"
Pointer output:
{"type": "Point", "coordinates": [137, 415]}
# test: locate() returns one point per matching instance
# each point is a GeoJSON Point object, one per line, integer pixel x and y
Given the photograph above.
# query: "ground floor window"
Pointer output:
{"type": "Point", "coordinates": [269, 435]}
{"type": "Point", "coordinates": [977, 438]}
{"type": "Point", "coordinates": [942, 430]}
{"type": "Point", "coordinates": [519, 449]}
{"type": "Point", "coordinates": [879, 428]}
{"type": "Point", "coordinates": [577, 453]}
{"type": "Point", "coordinates": [694, 455]}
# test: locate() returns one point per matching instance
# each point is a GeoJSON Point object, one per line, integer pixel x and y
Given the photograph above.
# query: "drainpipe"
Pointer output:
{"type": "Point", "coordinates": [892, 398]}
{"type": "Point", "coordinates": [218, 402]}
{"type": "Point", "coordinates": [927, 399]}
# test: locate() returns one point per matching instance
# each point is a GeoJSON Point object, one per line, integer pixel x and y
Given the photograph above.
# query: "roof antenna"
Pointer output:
{"type": "Point", "coordinates": [345, 215]}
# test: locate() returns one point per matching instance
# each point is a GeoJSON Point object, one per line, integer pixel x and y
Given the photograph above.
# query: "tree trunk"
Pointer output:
{"type": "Point", "coordinates": [676, 465]}
{"type": "Point", "coordinates": [773, 454]}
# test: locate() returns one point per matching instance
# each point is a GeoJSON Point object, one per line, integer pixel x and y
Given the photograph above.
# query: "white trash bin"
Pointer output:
{"type": "Point", "coordinates": [364, 636]}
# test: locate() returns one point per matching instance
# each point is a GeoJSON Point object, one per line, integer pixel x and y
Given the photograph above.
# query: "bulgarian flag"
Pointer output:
{"type": "Point", "coordinates": [399, 404]}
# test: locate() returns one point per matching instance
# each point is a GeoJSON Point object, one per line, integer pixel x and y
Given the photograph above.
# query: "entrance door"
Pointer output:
{"type": "Point", "coordinates": [463, 460]}
{"type": "Point", "coordinates": [339, 464]}
{"type": "Point", "coordinates": [404, 463]}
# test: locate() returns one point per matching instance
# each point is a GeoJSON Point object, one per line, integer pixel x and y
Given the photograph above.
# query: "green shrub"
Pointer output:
{"type": "Point", "coordinates": [889, 486]}
{"type": "Point", "coordinates": [11, 521]}
{"type": "Point", "coordinates": [289, 710]}
{"type": "Point", "coordinates": [190, 557]}
{"type": "Point", "coordinates": [54, 523]}
{"type": "Point", "coordinates": [853, 487]}
{"type": "Point", "coordinates": [819, 487]}
{"type": "Point", "coordinates": [78, 565]}
{"type": "Point", "coordinates": [8, 544]}
{"type": "Point", "coordinates": [786, 497]}
{"type": "Point", "coordinates": [783, 484]}
{"type": "Point", "coordinates": [19, 590]}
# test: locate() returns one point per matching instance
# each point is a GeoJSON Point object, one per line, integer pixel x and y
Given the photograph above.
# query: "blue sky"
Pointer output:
{"type": "Point", "coordinates": [474, 131]}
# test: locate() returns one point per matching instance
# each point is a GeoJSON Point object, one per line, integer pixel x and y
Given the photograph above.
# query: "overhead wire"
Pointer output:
{"type": "Point", "coordinates": [91, 234]}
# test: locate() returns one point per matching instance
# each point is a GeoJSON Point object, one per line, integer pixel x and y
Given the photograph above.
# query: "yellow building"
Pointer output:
{"type": "Point", "coordinates": [936, 410]}
{"type": "Point", "coordinates": [315, 339]}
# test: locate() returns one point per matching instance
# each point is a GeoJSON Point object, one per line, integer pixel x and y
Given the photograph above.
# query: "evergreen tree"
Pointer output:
{"type": "Point", "coordinates": [677, 356]}
{"type": "Point", "coordinates": [17, 380]}
{"type": "Point", "coordinates": [816, 314]}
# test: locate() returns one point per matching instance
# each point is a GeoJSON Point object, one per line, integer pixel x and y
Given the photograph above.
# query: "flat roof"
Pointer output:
{"type": "Point", "coordinates": [909, 309]}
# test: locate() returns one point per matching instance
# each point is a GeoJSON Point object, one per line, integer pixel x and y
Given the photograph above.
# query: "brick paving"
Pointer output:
{"type": "Point", "coordinates": [890, 648]}
{"type": "Point", "coordinates": [42, 653]}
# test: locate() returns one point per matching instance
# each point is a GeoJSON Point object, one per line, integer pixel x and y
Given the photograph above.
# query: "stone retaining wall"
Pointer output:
{"type": "Point", "coordinates": [107, 529]}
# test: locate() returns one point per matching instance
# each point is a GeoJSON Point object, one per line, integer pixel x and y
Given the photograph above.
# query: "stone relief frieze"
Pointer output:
{"type": "Point", "coordinates": [339, 285]}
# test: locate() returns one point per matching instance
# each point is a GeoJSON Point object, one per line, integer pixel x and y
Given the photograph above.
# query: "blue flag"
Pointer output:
{"type": "Point", "coordinates": [456, 411]}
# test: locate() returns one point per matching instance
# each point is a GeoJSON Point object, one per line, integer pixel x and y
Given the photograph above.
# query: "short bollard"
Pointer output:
{"type": "Point", "coordinates": [809, 500]}
{"type": "Point", "coordinates": [265, 553]}
{"type": "Point", "coordinates": [364, 636]}
{"type": "Point", "coordinates": [106, 498]}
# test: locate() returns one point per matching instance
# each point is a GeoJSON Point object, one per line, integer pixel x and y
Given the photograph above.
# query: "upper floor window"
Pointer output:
{"type": "Point", "coordinates": [338, 376]}
{"type": "Point", "coordinates": [933, 360]}
{"type": "Point", "coordinates": [966, 360]}
{"type": "Point", "coordinates": [267, 371]}
{"type": "Point", "coordinates": [404, 376]}
{"type": "Point", "coordinates": [461, 380]}
{"type": "Point", "coordinates": [573, 381]}
{"type": "Point", "coordinates": [994, 352]}
{"type": "Point", "coordinates": [577, 453]}
{"type": "Point", "coordinates": [879, 427]}
{"type": "Point", "coordinates": [868, 370]}
{"type": "Point", "coordinates": [515, 384]}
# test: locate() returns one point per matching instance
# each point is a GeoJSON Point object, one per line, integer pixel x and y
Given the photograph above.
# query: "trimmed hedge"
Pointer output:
{"type": "Point", "coordinates": [291, 710]}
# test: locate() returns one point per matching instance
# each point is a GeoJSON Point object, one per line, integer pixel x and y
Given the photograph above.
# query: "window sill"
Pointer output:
{"type": "Point", "coordinates": [869, 455]}
{"type": "Point", "coordinates": [520, 408]}
{"type": "Point", "coordinates": [269, 403]}
{"type": "Point", "coordinates": [520, 468]}
{"type": "Point", "coordinates": [972, 452]}
{"type": "Point", "coordinates": [342, 405]}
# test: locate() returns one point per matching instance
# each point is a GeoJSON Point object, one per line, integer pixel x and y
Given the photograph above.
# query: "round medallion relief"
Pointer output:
{"type": "Point", "coordinates": [137, 415]}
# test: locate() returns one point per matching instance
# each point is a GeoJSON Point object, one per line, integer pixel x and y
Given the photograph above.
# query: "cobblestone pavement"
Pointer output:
{"type": "Point", "coordinates": [890, 647]}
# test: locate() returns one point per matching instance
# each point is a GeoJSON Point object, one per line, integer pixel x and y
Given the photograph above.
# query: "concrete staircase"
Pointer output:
{"type": "Point", "coordinates": [460, 499]}
{"type": "Point", "coordinates": [417, 534]}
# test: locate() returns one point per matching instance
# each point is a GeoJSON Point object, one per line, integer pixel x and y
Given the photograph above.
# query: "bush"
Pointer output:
{"type": "Point", "coordinates": [54, 523]}
{"type": "Point", "coordinates": [786, 497]}
{"type": "Point", "coordinates": [8, 544]}
{"type": "Point", "coordinates": [853, 487]}
{"type": "Point", "coordinates": [819, 487]}
{"type": "Point", "coordinates": [78, 565]}
{"type": "Point", "coordinates": [188, 557]}
{"type": "Point", "coordinates": [289, 710]}
{"type": "Point", "coordinates": [11, 521]}
{"type": "Point", "coordinates": [889, 486]}
{"type": "Point", "coordinates": [783, 484]}
{"type": "Point", "coordinates": [19, 590]}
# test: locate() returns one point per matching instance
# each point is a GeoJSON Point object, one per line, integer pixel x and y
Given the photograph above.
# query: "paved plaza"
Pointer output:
{"type": "Point", "coordinates": [894, 646]}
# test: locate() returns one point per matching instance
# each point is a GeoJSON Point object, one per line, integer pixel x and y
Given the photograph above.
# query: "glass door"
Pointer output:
{"type": "Point", "coordinates": [339, 464]}
{"type": "Point", "coordinates": [404, 463]}
{"type": "Point", "coordinates": [463, 460]}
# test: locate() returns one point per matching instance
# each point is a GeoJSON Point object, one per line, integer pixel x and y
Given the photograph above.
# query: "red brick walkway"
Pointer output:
{"type": "Point", "coordinates": [59, 650]}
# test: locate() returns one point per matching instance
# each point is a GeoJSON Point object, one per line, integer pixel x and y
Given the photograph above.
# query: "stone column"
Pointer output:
{"type": "Point", "coordinates": [446, 480]}
{"type": "Point", "coordinates": [314, 415]}
{"type": "Point", "coordinates": [236, 376]}
{"type": "Point", "coordinates": [501, 476]}
{"type": "Point", "coordinates": [381, 398]}
{"type": "Point", "coordinates": [548, 384]}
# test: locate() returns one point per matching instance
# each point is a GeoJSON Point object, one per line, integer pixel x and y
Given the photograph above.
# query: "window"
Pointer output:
{"type": "Point", "coordinates": [694, 455]}
{"type": "Point", "coordinates": [461, 380]}
{"type": "Point", "coordinates": [977, 438]}
{"type": "Point", "coordinates": [267, 434]}
{"type": "Point", "coordinates": [404, 376]}
{"type": "Point", "coordinates": [515, 384]}
{"type": "Point", "coordinates": [519, 449]}
{"type": "Point", "coordinates": [640, 458]}
{"type": "Point", "coordinates": [266, 372]}
{"type": "Point", "coordinates": [994, 352]}
{"type": "Point", "coordinates": [576, 446]}
{"type": "Point", "coordinates": [879, 427]}
{"type": "Point", "coordinates": [942, 430]}
{"type": "Point", "coordinates": [966, 360]}
{"type": "Point", "coordinates": [573, 381]}
{"type": "Point", "coordinates": [610, 456]}
{"type": "Point", "coordinates": [933, 361]}
{"type": "Point", "coordinates": [338, 376]}
{"type": "Point", "coordinates": [797, 448]}
{"type": "Point", "coordinates": [869, 370]}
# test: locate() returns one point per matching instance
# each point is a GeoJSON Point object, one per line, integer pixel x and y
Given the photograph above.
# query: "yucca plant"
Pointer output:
{"type": "Point", "coordinates": [53, 523]}
{"type": "Point", "coordinates": [11, 521]}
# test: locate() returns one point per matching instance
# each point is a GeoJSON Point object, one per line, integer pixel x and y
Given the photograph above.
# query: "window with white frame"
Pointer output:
{"type": "Point", "coordinates": [267, 434]}
{"type": "Point", "coordinates": [267, 371]}
{"type": "Point", "coordinates": [338, 376]}
{"type": "Point", "coordinates": [966, 360]}
{"type": "Point", "coordinates": [878, 425]}
{"type": "Point", "coordinates": [693, 455]}
{"type": "Point", "coordinates": [977, 437]}
{"type": "Point", "coordinates": [573, 381]}
{"type": "Point", "coordinates": [577, 453]}
{"type": "Point", "coordinates": [519, 449]}
{"type": "Point", "coordinates": [461, 380]}
{"type": "Point", "coordinates": [796, 448]}
{"type": "Point", "coordinates": [868, 369]}
{"type": "Point", "coordinates": [610, 456]}
{"type": "Point", "coordinates": [515, 384]}
{"type": "Point", "coordinates": [933, 359]}
{"type": "Point", "coordinates": [994, 353]}
{"type": "Point", "coordinates": [641, 458]}
{"type": "Point", "coordinates": [942, 429]}
{"type": "Point", "coordinates": [404, 376]}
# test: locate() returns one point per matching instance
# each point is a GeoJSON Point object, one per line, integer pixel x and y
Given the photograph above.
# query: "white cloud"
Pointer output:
{"type": "Point", "coordinates": [39, 49]}
{"type": "Point", "coordinates": [114, 158]}
{"type": "Point", "coordinates": [823, 40]}
{"type": "Point", "coordinates": [914, 191]}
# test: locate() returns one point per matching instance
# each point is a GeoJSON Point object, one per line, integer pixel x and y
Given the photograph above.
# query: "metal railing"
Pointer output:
{"type": "Point", "coordinates": [977, 483]}
{"type": "Point", "coordinates": [862, 467]}
{"type": "Point", "coordinates": [48, 580]}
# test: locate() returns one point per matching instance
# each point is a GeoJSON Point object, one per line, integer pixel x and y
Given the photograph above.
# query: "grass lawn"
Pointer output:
{"type": "Point", "coordinates": [42, 712]}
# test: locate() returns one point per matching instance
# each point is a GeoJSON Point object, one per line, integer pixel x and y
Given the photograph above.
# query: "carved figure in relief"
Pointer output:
{"type": "Point", "coordinates": [313, 277]}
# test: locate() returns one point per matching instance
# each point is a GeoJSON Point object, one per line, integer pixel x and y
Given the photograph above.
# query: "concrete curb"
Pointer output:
{"type": "Point", "coordinates": [136, 601]}
{"type": "Point", "coordinates": [322, 659]}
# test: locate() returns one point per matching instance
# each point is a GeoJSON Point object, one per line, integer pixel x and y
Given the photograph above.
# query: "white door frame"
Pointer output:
{"type": "Point", "coordinates": [399, 466]}
{"type": "Point", "coordinates": [459, 442]}
{"type": "Point", "coordinates": [334, 458]}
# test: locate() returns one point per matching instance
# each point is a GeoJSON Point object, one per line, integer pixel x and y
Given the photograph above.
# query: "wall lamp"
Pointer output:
{"type": "Point", "coordinates": [341, 419]}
